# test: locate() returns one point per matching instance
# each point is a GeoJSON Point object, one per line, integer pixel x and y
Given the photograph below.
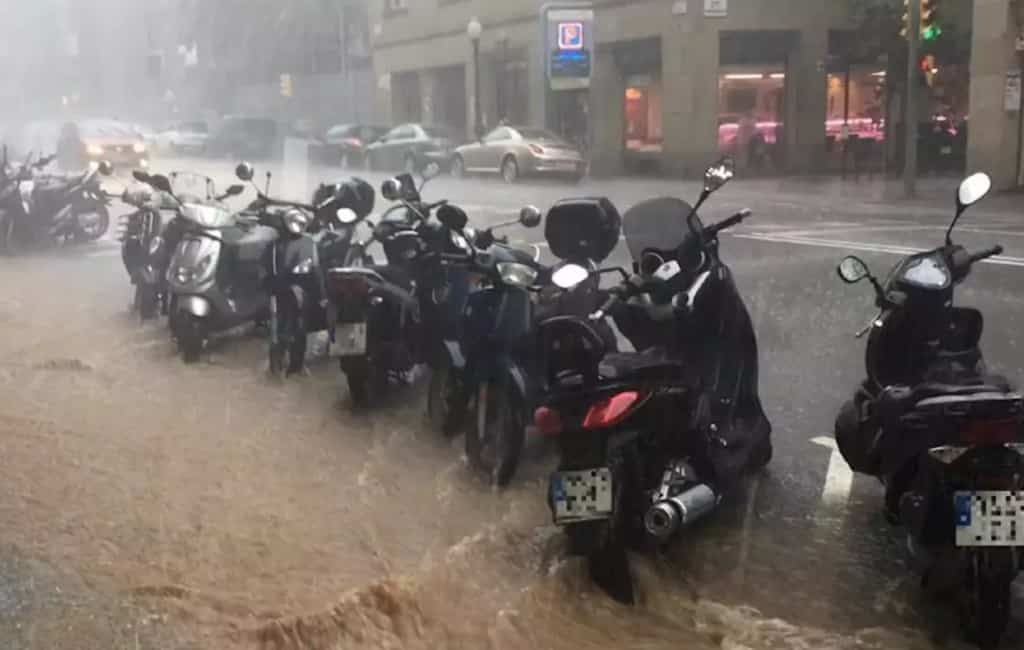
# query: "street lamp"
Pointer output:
{"type": "Point", "coordinates": [473, 30]}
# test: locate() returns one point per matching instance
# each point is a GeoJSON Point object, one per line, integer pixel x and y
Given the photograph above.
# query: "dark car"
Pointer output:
{"type": "Point", "coordinates": [86, 143]}
{"type": "Point", "coordinates": [411, 147]}
{"type": "Point", "coordinates": [240, 137]}
{"type": "Point", "coordinates": [349, 141]}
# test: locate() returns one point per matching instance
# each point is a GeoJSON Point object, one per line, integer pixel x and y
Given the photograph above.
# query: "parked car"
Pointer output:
{"type": "Point", "coordinates": [184, 137]}
{"type": "Point", "coordinates": [515, 151]}
{"type": "Point", "coordinates": [412, 147]}
{"type": "Point", "coordinates": [350, 141]}
{"type": "Point", "coordinates": [240, 137]}
{"type": "Point", "coordinates": [85, 143]}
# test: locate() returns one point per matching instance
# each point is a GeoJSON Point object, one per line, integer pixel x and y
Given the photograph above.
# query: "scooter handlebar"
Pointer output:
{"type": "Point", "coordinates": [737, 218]}
{"type": "Point", "coordinates": [988, 252]}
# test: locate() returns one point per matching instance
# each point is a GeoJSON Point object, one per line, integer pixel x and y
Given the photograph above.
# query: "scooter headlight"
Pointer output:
{"type": "Point", "coordinates": [203, 267]}
{"type": "Point", "coordinates": [295, 221]}
{"type": "Point", "coordinates": [517, 275]}
{"type": "Point", "coordinates": [303, 267]}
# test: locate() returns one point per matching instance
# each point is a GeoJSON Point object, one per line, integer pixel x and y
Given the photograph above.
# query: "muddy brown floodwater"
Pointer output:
{"type": "Point", "coordinates": [229, 510]}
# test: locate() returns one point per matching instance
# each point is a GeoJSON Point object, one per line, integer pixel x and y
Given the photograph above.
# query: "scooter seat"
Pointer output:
{"type": "Point", "coordinates": [650, 365]}
{"type": "Point", "coordinates": [395, 275]}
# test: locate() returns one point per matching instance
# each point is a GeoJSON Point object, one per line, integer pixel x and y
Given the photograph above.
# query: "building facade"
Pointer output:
{"type": "Point", "coordinates": [673, 83]}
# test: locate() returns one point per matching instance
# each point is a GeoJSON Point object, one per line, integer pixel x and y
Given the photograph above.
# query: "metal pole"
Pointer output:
{"type": "Point", "coordinates": [1020, 125]}
{"type": "Point", "coordinates": [478, 127]}
{"type": "Point", "coordinates": [910, 105]}
{"type": "Point", "coordinates": [846, 117]}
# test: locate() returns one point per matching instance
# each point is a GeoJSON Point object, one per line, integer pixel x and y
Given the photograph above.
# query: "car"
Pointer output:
{"type": "Point", "coordinates": [350, 141]}
{"type": "Point", "coordinates": [87, 142]}
{"type": "Point", "coordinates": [244, 137]}
{"type": "Point", "coordinates": [517, 151]}
{"type": "Point", "coordinates": [412, 147]}
{"type": "Point", "coordinates": [184, 137]}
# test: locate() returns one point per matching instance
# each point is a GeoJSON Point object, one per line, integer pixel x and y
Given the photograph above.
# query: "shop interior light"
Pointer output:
{"type": "Point", "coordinates": [880, 73]}
{"type": "Point", "coordinates": [744, 75]}
{"type": "Point", "coordinates": [777, 75]}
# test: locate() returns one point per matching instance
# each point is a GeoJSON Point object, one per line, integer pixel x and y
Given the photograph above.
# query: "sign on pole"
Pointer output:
{"type": "Point", "coordinates": [569, 40]}
{"type": "Point", "coordinates": [716, 8]}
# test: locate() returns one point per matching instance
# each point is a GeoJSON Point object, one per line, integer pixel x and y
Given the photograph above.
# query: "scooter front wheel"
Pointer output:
{"type": "Point", "coordinates": [191, 335]}
{"type": "Point", "coordinates": [446, 406]}
{"type": "Point", "coordinates": [495, 437]}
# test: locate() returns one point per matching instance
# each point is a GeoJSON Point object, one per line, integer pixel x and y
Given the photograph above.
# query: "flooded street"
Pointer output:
{"type": "Point", "coordinates": [209, 506]}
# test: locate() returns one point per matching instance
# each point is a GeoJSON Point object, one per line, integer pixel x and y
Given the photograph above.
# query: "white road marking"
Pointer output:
{"type": "Point", "coordinates": [861, 246]}
{"type": "Point", "coordinates": [838, 478]}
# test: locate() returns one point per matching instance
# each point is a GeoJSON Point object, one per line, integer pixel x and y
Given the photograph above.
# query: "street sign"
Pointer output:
{"type": "Point", "coordinates": [569, 47]}
{"type": "Point", "coordinates": [716, 8]}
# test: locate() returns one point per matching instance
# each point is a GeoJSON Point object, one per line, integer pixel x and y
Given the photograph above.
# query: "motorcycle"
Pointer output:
{"type": "Point", "coordinates": [16, 188]}
{"type": "Point", "coordinates": [150, 234]}
{"type": "Point", "coordinates": [385, 320]}
{"type": "Point", "coordinates": [310, 237]}
{"type": "Point", "coordinates": [650, 441]}
{"type": "Point", "coordinates": [943, 435]}
{"type": "Point", "coordinates": [64, 209]}
{"type": "Point", "coordinates": [484, 373]}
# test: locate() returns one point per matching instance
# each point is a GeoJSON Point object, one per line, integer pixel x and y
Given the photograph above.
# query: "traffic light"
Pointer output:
{"type": "Point", "coordinates": [930, 29]}
{"type": "Point", "coordinates": [286, 85]}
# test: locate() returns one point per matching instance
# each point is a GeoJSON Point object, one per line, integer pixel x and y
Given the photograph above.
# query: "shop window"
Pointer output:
{"type": "Point", "coordinates": [863, 112]}
{"type": "Point", "coordinates": [643, 117]}
{"type": "Point", "coordinates": [751, 114]}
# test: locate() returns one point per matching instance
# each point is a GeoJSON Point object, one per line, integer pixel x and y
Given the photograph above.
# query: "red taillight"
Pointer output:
{"type": "Point", "coordinates": [548, 421]}
{"type": "Point", "coordinates": [611, 411]}
{"type": "Point", "coordinates": [991, 432]}
{"type": "Point", "coordinates": [537, 149]}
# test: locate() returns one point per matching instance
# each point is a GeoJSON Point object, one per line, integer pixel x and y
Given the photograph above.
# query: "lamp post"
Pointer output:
{"type": "Point", "coordinates": [473, 30]}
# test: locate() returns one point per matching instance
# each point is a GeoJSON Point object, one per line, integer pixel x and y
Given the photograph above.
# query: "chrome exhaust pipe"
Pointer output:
{"type": "Point", "coordinates": [679, 501]}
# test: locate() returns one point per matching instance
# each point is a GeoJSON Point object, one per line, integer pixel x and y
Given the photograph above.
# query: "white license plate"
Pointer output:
{"type": "Point", "coordinates": [946, 151]}
{"type": "Point", "coordinates": [566, 166]}
{"type": "Point", "coordinates": [581, 495]}
{"type": "Point", "coordinates": [989, 518]}
{"type": "Point", "coordinates": [349, 340]}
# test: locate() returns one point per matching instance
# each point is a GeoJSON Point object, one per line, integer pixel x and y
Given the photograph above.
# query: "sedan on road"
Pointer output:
{"type": "Point", "coordinates": [184, 137]}
{"type": "Point", "coordinates": [86, 143]}
{"type": "Point", "coordinates": [515, 151]}
{"type": "Point", "coordinates": [350, 141]}
{"type": "Point", "coordinates": [411, 147]}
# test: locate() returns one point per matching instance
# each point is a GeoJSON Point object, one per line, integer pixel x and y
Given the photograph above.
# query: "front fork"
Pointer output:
{"type": "Point", "coordinates": [274, 334]}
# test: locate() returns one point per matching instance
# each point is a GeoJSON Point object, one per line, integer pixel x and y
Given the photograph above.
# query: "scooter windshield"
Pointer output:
{"type": "Point", "coordinates": [192, 184]}
{"type": "Point", "coordinates": [656, 223]}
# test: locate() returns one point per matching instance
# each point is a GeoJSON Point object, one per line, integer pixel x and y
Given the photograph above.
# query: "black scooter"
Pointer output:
{"type": "Point", "coordinates": [943, 435]}
{"type": "Point", "coordinates": [63, 209]}
{"type": "Point", "coordinates": [650, 441]}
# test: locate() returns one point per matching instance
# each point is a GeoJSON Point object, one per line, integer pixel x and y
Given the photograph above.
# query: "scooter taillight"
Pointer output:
{"type": "Point", "coordinates": [991, 432]}
{"type": "Point", "coordinates": [548, 421]}
{"type": "Point", "coordinates": [609, 412]}
{"type": "Point", "coordinates": [348, 286]}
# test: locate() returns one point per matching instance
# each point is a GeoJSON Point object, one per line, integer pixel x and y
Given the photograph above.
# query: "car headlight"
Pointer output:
{"type": "Point", "coordinates": [303, 267]}
{"type": "Point", "coordinates": [295, 221]}
{"type": "Point", "coordinates": [155, 244]}
{"type": "Point", "coordinates": [94, 150]}
{"type": "Point", "coordinates": [139, 147]}
{"type": "Point", "coordinates": [517, 275]}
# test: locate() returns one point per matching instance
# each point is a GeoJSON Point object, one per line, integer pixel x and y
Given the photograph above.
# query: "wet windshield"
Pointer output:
{"type": "Point", "coordinates": [657, 223]}
{"type": "Point", "coordinates": [192, 186]}
{"type": "Point", "coordinates": [208, 215]}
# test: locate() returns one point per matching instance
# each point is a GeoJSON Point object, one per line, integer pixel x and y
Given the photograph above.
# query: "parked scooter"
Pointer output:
{"type": "Point", "coordinates": [310, 237]}
{"type": "Point", "coordinates": [650, 441]}
{"type": "Point", "coordinates": [484, 373]}
{"type": "Point", "coordinates": [943, 435]}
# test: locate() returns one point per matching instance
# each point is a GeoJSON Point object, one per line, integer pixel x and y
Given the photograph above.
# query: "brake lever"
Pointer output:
{"type": "Point", "coordinates": [867, 328]}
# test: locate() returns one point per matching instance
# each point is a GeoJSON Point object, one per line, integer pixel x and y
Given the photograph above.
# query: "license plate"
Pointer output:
{"type": "Point", "coordinates": [567, 166]}
{"type": "Point", "coordinates": [349, 340]}
{"type": "Point", "coordinates": [989, 518]}
{"type": "Point", "coordinates": [581, 495]}
{"type": "Point", "coordinates": [945, 151]}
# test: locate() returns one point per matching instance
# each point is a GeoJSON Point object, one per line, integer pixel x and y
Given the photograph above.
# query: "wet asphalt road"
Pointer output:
{"type": "Point", "coordinates": [804, 542]}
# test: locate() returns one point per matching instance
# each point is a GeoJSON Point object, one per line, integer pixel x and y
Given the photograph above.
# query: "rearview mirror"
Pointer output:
{"type": "Point", "coordinates": [530, 216]}
{"type": "Point", "coordinates": [852, 269]}
{"type": "Point", "coordinates": [347, 216]}
{"type": "Point", "coordinates": [719, 174]}
{"type": "Point", "coordinates": [391, 189]}
{"type": "Point", "coordinates": [106, 168]}
{"type": "Point", "coordinates": [140, 176]}
{"type": "Point", "coordinates": [160, 182]}
{"type": "Point", "coordinates": [569, 276]}
{"type": "Point", "coordinates": [234, 190]}
{"type": "Point", "coordinates": [452, 217]}
{"type": "Point", "coordinates": [244, 171]}
{"type": "Point", "coordinates": [972, 189]}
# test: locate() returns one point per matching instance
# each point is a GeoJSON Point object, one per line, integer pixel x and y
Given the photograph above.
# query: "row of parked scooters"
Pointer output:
{"type": "Point", "coordinates": [650, 440]}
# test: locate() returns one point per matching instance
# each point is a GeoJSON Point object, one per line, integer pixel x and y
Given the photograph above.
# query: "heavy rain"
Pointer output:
{"type": "Point", "coordinates": [515, 325]}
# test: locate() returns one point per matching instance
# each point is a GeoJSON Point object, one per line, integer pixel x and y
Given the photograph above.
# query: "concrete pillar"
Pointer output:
{"type": "Point", "coordinates": [806, 89]}
{"type": "Point", "coordinates": [992, 136]}
{"type": "Point", "coordinates": [689, 66]}
{"type": "Point", "coordinates": [536, 83]}
{"type": "Point", "coordinates": [606, 113]}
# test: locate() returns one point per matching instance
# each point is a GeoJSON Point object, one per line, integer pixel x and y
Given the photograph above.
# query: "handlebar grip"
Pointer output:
{"type": "Point", "coordinates": [988, 252]}
{"type": "Point", "coordinates": [728, 223]}
{"type": "Point", "coordinates": [612, 300]}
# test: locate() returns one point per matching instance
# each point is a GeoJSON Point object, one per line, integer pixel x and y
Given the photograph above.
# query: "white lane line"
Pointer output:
{"type": "Point", "coordinates": [861, 246]}
{"type": "Point", "coordinates": [838, 478]}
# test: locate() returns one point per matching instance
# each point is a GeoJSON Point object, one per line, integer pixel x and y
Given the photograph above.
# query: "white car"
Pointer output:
{"type": "Point", "coordinates": [184, 137]}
